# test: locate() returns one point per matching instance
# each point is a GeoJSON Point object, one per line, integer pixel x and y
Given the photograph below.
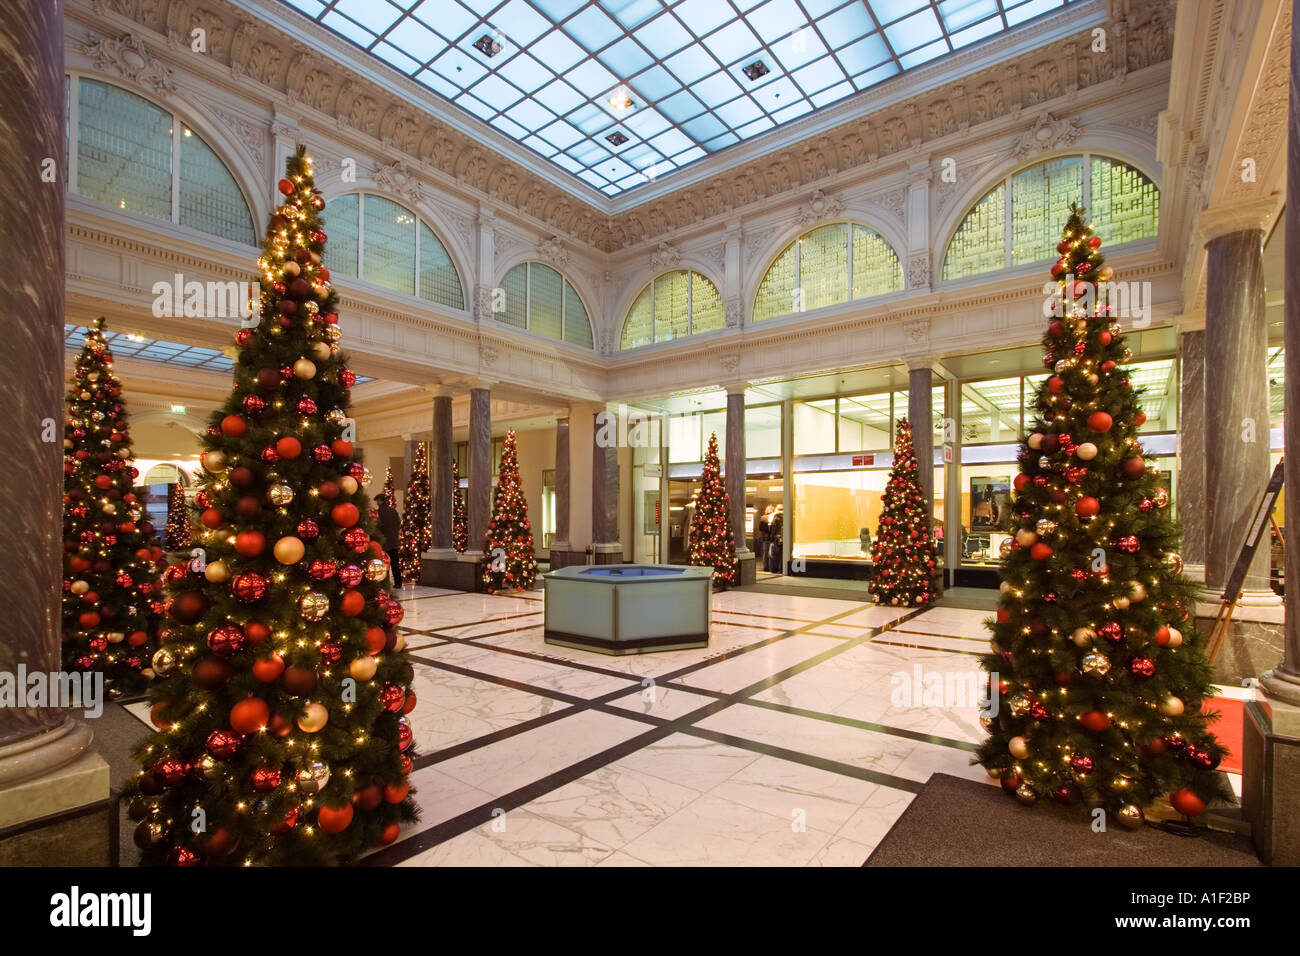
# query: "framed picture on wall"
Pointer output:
{"type": "Point", "coordinates": [990, 503]}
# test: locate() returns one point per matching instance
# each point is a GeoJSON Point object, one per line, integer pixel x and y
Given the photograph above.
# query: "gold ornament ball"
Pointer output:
{"type": "Point", "coordinates": [314, 606]}
{"type": "Point", "coordinates": [1121, 603]}
{"type": "Point", "coordinates": [335, 416]}
{"type": "Point", "coordinates": [116, 637]}
{"type": "Point", "coordinates": [1161, 498]}
{"type": "Point", "coordinates": [376, 569]}
{"type": "Point", "coordinates": [1004, 549]}
{"type": "Point", "coordinates": [1175, 637]}
{"type": "Point", "coordinates": [1004, 587]}
{"type": "Point", "coordinates": [1172, 706]}
{"type": "Point", "coordinates": [1025, 538]}
{"type": "Point", "coordinates": [994, 772]}
{"type": "Point", "coordinates": [1044, 462]}
{"type": "Point", "coordinates": [312, 779]}
{"type": "Point", "coordinates": [123, 453]}
{"type": "Point", "coordinates": [1093, 378]}
{"type": "Point", "coordinates": [1045, 527]}
{"type": "Point", "coordinates": [217, 572]}
{"type": "Point", "coordinates": [304, 369]}
{"type": "Point", "coordinates": [1130, 816]}
{"type": "Point", "coordinates": [1137, 592]}
{"type": "Point", "coordinates": [348, 485]}
{"type": "Point", "coordinates": [366, 478]}
{"type": "Point", "coordinates": [147, 673]}
{"type": "Point", "coordinates": [1174, 562]}
{"type": "Point", "coordinates": [400, 643]}
{"type": "Point", "coordinates": [1019, 747]}
{"type": "Point", "coordinates": [208, 766]}
{"type": "Point", "coordinates": [80, 587]}
{"type": "Point", "coordinates": [292, 269]}
{"type": "Point", "coordinates": [289, 550]}
{"type": "Point", "coordinates": [214, 461]}
{"type": "Point", "coordinates": [363, 668]}
{"type": "Point", "coordinates": [110, 509]}
{"type": "Point", "coordinates": [164, 662]}
{"type": "Point", "coordinates": [1095, 665]}
{"type": "Point", "coordinates": [333, 333]}
{"type": "Point", "coordinates": [1025, 794]}
{"type": "Point", "coordinates": [1018, 705]}
{"type": "Point", "coordinates": [1035, 441]}
{"type": "Point", "coordinates": [314, 719]}
{"type": "Point", "coordinates": [280, 495]}
{"type": "Point", "coordinates": [1086, 452]}
{"type": "Point", "coordinates": [320, 351]}
{"type": "Point", "coordinates": [1083, 636]}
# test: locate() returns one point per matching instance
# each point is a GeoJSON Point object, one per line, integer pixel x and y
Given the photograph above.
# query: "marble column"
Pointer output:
{"type": "Point", "coordinates": [479, 501]}
{"type": "Point", "coordinates": [440, 490]}
{"type": "Point", "coordinates": [919, 394]}
{"type": "Point", "coordinates": [734, 476]}
{"type": "Point", "coordinates": [1191, 450]}
{"type": "Point", "coordinates": [952, 527]}
{"type": "Point", "coordinates": [33, 740]}
{"type": "Point", "coordinates": [787, 487]}
{"type": "Point", "coordinates": [1236, 387]}
{"type": "Point", "coordinates": [604, 492]}
{"type": "Point", "coordinates": [561, 540]}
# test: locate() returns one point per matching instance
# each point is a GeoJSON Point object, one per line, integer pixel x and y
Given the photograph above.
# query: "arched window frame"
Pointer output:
{"type": "Point", "coordinates": [1008, 232]}
{"type": "Point", "coordinates": [415, 262]}
{"type": "Point", "coordinates": [567, 284]}
{"type": "Point", "coordinates": [796, 243]}
{"type": "Point", "coordinates": [690, 272]}
{"type": "Point", "coordinates": [74, 79]}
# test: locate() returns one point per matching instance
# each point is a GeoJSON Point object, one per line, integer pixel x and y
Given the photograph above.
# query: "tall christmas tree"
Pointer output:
{"type": "Point", "coordinates": [509, 561]}
{"type": "Point", "coordinates": [111, 554]}
{"type": "Point", "coordinates": [1101, 670]}
{"type": "Point", "coordinates": [416, 528]}
{"type": "Point", "coordinates": [711, 542]}
{"type": "Point", "coordinates": [906, 568]}
{"type": "Point", "coordinates": [178, 519]}
{"type": "Point", "coordinates": [282, 733]}
{"type": "Point", "coordinates": [388, 493]}
{"type": "Point", "coordinates": [459, 523]}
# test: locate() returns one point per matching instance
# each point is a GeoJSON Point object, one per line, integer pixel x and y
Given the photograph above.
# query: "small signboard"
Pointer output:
{"type": "Point", "coordinates": [1258, 527]}
{"type": "Point", "coordinates": [863, 461]}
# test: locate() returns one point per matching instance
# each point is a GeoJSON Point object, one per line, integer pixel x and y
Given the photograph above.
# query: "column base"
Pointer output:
{"type": "Point", "coordinates": [608, 552]}
{"type": "Point", "coordinates": [59, 817]}
{"type": "Point", "coordinates": [1253, 643]}
{"type": "Point", "coordinates": [563, 555]}
{"type": "Point", "coordinates": [746, 567]}
{"type": "Point", "coordinates": [1270, 785]}
{"type": "Point", "coordinates": [1194, 571]}
{"type": "Point", "coordinates": [450, 569]}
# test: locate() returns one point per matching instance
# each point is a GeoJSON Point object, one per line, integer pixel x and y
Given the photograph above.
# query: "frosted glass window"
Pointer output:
{"type": "Point", "coordinates": [577, 325]}
{"type": "Point", "coordinates": [638, 330]}
{"type": "Point", "coordinates": [980, 244]}
{"type": "Point", "coordinates": [1040, 204]}
{"type": "Point", "coordinates": [545, 301]}
{"type": "Point", "coordinates": [515, 286]}
{"type": "Point", "coordinates": [1124, 201]}
{"type": "Point", "coordinates": [124, 150]}
{"type": "Point", "coordinates": [763, 431]}
{"type": "Point", "coordinates": [340, 218]}
{"type": "Point", "coordinates": [814, 427]}
{"type": "Point", "coordinates": [672, 311]}
{"type": "Point", "coordinates": [674, 305]}
{"type": "Point", "coordinates": [876, 269]}
{"type": "Point", "coordinates": [776, 291]}
{"type": "Point", "coordinates": [828, 266]}
{"type": "Point", "coordinates": [824, 267]}
{"type": "Point", "coordinates": [438, 279]}
{"type": "Point", "coordinates": [210, 200]}
{"type": "Point", "coordinates": [389, 246]}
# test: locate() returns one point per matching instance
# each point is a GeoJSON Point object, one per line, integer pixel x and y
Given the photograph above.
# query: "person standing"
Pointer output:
{"type": "Point", "coordinates": [390, 524]}
{"type": "Point", "coordinates": [762, 530]}
{"type": "Point", "coordinates": [776, 541]}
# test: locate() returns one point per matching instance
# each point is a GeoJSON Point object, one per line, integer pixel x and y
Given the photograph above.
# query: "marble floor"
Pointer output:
{"type": "Point", "coordinates": [796, 738]}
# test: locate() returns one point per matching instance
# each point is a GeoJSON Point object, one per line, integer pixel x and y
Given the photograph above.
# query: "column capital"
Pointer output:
{"type": "Point", "coordinates": [919, 362]}
{"type": "Point", "coordinates": [736, 388]}
{"type": "Point", "coordinates": [438, 390]}
{"type": "Point", "coordinates": [1255, 214]}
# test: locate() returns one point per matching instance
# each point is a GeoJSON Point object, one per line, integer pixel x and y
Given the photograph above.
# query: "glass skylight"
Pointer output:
{"type": "Point", "coordinates": [544, 71]}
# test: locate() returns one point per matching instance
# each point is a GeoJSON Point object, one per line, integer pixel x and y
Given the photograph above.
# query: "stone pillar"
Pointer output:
{"type": "Point", "coordinates": [46, 766]}
{"type": "Point", "coordinates": [734, 481]}
{"type": "Point", "coordinates": [787, 486]}
{"type": "Point", "coordinates": [919, 413]}
{"type": "Point", "coordinates": [440, 490]}
{"type": "Point", "coordinates": [1236, 387]}
{"type": "Point", "coordinates": [1191, 450]}
{"type": "Point", "coordinates": [605, 546]}
{"type": "Point", "coordinates": [952, 529]}
{"type": "Point", "coordinates": [560, 546]}
{"type": "Point", "coordinates": [478, 505]}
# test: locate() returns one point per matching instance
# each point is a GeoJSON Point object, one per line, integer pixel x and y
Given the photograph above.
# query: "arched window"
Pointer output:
{"type": "Point", "coordinates": [376, 239]}
{"type": "Point", "coordinates": [131, 154]}
{"type": "Point", "coordinates": [539, 299]}
{"type": "Point", "coordinates": [831, 264]}
{"type": "Point", "coordinates": [1019, 220]}
{"type": "Point", "coordinates": [674, 305]}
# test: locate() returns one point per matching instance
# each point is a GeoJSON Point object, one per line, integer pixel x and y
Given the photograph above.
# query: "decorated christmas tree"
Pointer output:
{"type": "Point", "coordinates": [711, 542]}
{"type": "Point", "coordinates": [111, 554]}
{"type": "Point", "coordinates": [459, 523]}
{"type": "Point", "coordinates": [906, 568]}
{"type": "Point", "coordinates": [388, 493]}
{"type": "Point", "coordinates": [1100, 667]}
{"type": "Point", "coordinates": [416, 528]}
{"type": "Point", "coordinates": [282, 737]}
{"type": "Point", "coordinates": [509, 562]}
{"type": "Point", "coordinates": [178, 519]}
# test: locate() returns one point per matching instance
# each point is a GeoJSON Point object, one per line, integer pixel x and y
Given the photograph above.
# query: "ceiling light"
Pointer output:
{"type": "Point", "coordinates": [621, 100]}
{"type": "Point", "coordinates": [756, 70]}
{"type": "Point", "coordinates": [617, 138]}
{"type": "Point", "coordinates": [488, 45]}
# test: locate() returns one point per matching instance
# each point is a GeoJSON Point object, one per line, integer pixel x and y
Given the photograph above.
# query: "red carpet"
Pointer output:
{"type": "Point", "coordinates": [1228, 728]}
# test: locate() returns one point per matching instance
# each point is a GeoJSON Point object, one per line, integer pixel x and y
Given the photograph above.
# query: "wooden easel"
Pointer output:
{"type": "Point", "coordinates": [1232, 592]}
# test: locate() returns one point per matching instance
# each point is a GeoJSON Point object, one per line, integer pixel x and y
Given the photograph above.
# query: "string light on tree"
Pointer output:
{"type": "Point", "coordinates": [509, 561]}
{"type": "Point", "coordinates": [178, 536]}
{"type": "Point", "coordinates": [416, 529]}
{"type": "Point", "coordinates": [1100, 704]}
{"type": "Point", "coordinates": [711, 542]}
{"type": "Point", "coordinates": [459, 522]}
{"type": "Point", "coordinates": [906, 569]}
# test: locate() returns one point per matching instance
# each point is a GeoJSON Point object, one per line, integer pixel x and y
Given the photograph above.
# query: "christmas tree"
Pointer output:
{"type": "Point", "coordinates": [508, 548]}
{"type": "Point", "coordinates": [1100, 668]}
{"type": "Point", "coordinates": [459, 523]}
{"type": "Point", "coordinates": [906, 555]}
{"type": "Point", "coordinates": [711, 541]}
{"type": "Point", "coordinates": [416, 529]}
{"type": "Point", "coordinates": [178, 519]}
{"type": "Point", "coordinates": [282, 737]}
{"type": "Point", "coordinates": [111, 597]}
{"type": "Point", "coordinates": [389, 493]}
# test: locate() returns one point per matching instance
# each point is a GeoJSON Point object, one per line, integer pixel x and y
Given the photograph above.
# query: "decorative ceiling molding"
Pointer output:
{"type": "Point", "coordinates": [665, 257]}
{"type": "Point", "coordinates": [128, 57]}
{"type": "Point", "coordinates": [290, 71]}
{"type": "Point", "coordinates": [396, 178]}
{"type": "Point", "coordinates": [1048, 132]}
{"type": "Point", "coordinates": [553, 250]}
{"type": "Point", "coordinates": [819, 207]}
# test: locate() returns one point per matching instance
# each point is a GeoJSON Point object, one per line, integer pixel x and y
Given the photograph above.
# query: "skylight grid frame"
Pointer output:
{"type": "Point", "coordinates": [603, 30]}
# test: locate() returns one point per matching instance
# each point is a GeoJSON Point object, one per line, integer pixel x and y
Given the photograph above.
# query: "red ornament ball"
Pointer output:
{"type": "Point", "coordinates": [335, 819]}
{"type": "Point", "coordinates": [306, 406]}
{"type": "Point", "coordinates": [392, 697]}
{"type": "Point", "coordinates": [249, 587]}
{"type": "Point", "coordinates": [224, 744]}
{"type": "Point", "coordinates": [308, 529]}
{"type": "Point", "coordinates": [350, 575]}
{"type": "Point", "coordinates": [345, 515]}
{"type": "Point", "coordinates": [285, 186]}
{"type": "Point", "coordinates": [186, 608]}
{"type": "Point", "coordinates": [288, 447]}
{"type": "Point", "coordinates": [322, 569]}
{"type": "Point", "coordinates": [254, 404]}
{"type": "Point", "coordinates": [356, 539]}
{"type": "Point", "coordinates": [394, 612]}
{"type": "Point", "coordinates": [226, 639]}
{"type": "Point", "coordinates": [1133, 467]}
{"type": "Point", "coordinates": [322, 453]}
{"type": "Point", "coordinates": [1187, 803]}
{"type": "Point", "coordinates": [1111, 631]}
{"type": "Point", "coordinates": [1100, 421]}
{"type": "Point", "coordinates": [1095, 721]}
{"type": "Point", "coordinates": [1142, 667]}
{"type": "Point", "coordinates": [266, 779]}
{"type": "Point", "coordinates": [1081, 763]}
{"type": "Point", "coordinates": [1087, 507]}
